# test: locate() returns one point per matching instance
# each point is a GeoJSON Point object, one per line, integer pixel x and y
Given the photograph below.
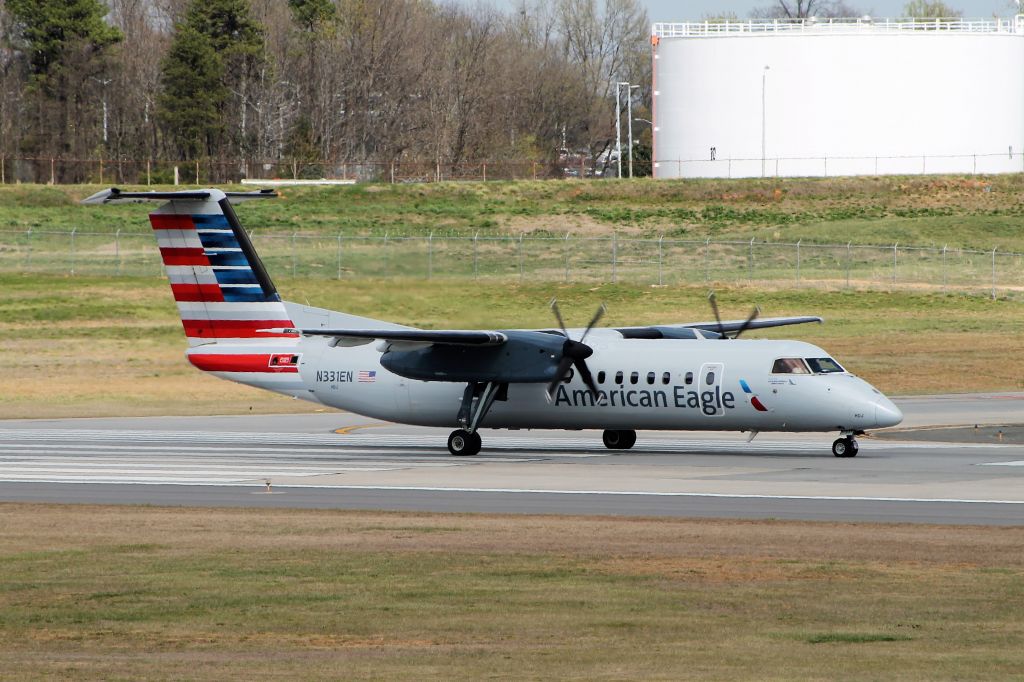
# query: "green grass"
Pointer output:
{"type": "Point", "coordinates": [959, 211]}
{"type": "Point", "coordinates": [137, 593]}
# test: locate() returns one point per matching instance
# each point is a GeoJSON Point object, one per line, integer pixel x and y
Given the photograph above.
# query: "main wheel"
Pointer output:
{"type": "Point", "coordinates": [462, 443]}
{"type": "Point", "coordinates": [619, 439]}
{"type": "Point", "coordinates": [845, 447]}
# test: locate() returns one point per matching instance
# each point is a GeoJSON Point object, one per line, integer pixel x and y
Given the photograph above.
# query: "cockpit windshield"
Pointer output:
{"type": "Point", "coordinates": [824, 366]}
{"type": "Point", "coordinates": [790, 366]}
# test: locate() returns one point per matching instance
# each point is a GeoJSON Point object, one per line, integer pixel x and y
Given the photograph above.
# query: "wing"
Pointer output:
{"type": "Point", "coordinates": [683, 331]}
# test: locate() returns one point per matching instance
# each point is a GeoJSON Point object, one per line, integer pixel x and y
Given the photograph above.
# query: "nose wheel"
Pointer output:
{"type": "Point", "coordinates": [619, 440]}
{"type": "Point", "coordinates": [845, 447]}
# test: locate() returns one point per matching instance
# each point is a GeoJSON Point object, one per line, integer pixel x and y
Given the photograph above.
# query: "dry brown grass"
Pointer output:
{"type": "Point", "coordinates": [99, 592]}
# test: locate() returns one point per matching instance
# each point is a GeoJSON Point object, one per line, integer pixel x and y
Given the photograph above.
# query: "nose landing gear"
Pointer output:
{"type": "Point", "coordinates": [845, 447]}
{"type": "Point", "coordinates": [619, 440]}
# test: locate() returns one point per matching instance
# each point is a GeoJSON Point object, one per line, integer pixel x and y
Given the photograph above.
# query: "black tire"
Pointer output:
{"type": "Point", "coordinates": [845, 447]}
{"type": "Point", "coordinates": [462, 443]}
{"type": "Point", "coordinates": [619, 439]}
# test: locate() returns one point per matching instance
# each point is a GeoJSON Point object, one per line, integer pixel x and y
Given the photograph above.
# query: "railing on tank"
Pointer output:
{"type": "Point", "coordinates": [839, 26]}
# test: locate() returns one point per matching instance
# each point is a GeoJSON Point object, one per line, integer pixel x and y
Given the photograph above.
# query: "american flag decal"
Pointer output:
{"type": "Point", "coordinates": [366, 377]}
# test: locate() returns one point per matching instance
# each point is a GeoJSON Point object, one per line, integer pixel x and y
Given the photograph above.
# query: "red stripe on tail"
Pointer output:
{"type": "Point", "coordinates": [171, 221]}
{"type": "Point", "coordinates": [197, 292]}
{"type": "Point", "coordinates": [184, 256]}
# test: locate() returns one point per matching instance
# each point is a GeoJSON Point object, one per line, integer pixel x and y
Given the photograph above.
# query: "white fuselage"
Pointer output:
{"type": "Point", "coordinates": [703, 384]}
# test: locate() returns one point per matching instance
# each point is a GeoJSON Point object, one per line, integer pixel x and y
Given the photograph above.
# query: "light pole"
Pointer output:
{"type": "Point", "coordinates": [629, 123]}
{"type": "Point", "coordinates": [618, 125]}
{"type": "Point", "coordinates": [104, 82]}
{"type": "Point", "coordinates": [764, 116]}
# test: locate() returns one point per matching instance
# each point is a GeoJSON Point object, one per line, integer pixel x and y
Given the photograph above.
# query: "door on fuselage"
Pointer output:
{"type": "Point", "coordinates": [710, 382]}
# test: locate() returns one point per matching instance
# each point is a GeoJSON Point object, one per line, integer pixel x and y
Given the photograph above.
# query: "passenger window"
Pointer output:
{"type": "Point", "coordinates": [618, 377]}
{"type": "Point", "coordinates": [689, 378]}
{"type": "Point", "coordinates": [650, 377]}
{"type": "Point", "coordinates": [710, 378]}
{"type": "Point", "coordinates": [634, 377]}
{"type": "Point", "coordinates": [790, 366]}
{"type": "Point", "coordinates": [666, 377]}
{"type": "Point", "coordinates": [600, 377]}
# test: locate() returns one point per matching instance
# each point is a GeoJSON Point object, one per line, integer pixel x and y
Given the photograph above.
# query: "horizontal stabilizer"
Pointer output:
{"type": "Point", "coordinates": [763, 323]}
{"type": "Point", "coordinates": [117, 196]}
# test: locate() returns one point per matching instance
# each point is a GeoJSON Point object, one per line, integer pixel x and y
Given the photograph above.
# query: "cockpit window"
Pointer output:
{"type": "Point", "coordinates": [824, 365]}
{"type": "Point", "coordinates": [790, 366]}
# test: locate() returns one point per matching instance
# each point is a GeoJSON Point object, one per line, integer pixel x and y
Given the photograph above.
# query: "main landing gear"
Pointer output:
{"type": "Point", "coordinates": [619, 440]}
{"type": "Point", "coordinates": [845, 447]}
{"type": "Point", "coordinates": [476, 402]}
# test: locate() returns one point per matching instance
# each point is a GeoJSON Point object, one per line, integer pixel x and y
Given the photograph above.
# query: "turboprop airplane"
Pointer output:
{"type": "Point", "coordinates": [688, 377]}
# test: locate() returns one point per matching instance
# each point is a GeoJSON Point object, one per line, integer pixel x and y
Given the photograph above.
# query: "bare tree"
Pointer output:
{"type": "Point", "coordinates": [802, 9]}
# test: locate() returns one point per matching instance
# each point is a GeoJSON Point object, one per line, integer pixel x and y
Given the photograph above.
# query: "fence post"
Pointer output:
{"type": "Point", "coordinates": [101, 170]}
{"type": "Point", "coordinates": [387, 256]}
{"type": "Point", "coordinates": [944, 272]}
{"type": "Point", "coordinates": [534, 177]}
{"type": "Point", "coordinates": [293, 253]}
{"type": "Point", "coordinates": [661, 239]}
{"type": "Point", "coordinates": [849, 262]}
{"type": "Point", "coordinates": [476, 256]}
{"type": "Point", "coordinates": [750, 261]}
{"type": "Point", "coordinates": [707, 260]}
{"type": "Point", "coordinates": [149, 171]}
{"type": "Point", "coordinates": [798, 260]}
{"type": "Point", "coordinates": [392, 172]}
{"type": "Point", "coordinates": [520, 257]}
{"type": "Point", "coordinates": [197, 171]}
{"type": "Point", "coordinates": [28, 249]}
{"type": "Point", "coordinates": [53, 171]}
{"type": "Point", "coordinates": [994, 274]}
{"type": "Point", "coordinates": [894, 251]}
{"type": "Point", "coordinates": [117, 250]}
{"type": "Point", "coordinates": [73, 251]}
{"type": "Point", "coordinates": [485, 171]}
{"type": "Point", "coordinates": [339, 255]}
{"type": "Point", "coordinates": [565, 251]}
{"type": "Point", "coordinates": [430, 255]}
{"type": "Point", "coordinates": [3, 171]}
{"type": "Point", "coordinates": [615, 257]}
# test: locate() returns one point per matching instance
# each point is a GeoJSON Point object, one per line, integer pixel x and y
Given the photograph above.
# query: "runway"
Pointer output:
{"type": "Point", "coordinates": [337, 460]}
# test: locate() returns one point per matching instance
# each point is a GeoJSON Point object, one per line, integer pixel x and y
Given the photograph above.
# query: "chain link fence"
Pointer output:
{"type": "Point", "coordinates": [569, 258]}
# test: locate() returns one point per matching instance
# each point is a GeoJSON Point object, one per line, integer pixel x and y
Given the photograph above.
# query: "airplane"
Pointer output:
{"type": "Point", "coordinates": [685, 377]}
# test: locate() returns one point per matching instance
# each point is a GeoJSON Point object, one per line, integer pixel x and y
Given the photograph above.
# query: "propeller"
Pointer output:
{"type": "Point", "coordinates": [718, 318]}
{"type": "Point", "coordinates": [574, 354]}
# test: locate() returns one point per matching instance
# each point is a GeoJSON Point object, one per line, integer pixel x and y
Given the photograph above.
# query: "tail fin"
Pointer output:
{"type": "Point", "coordinates": [221, 287]}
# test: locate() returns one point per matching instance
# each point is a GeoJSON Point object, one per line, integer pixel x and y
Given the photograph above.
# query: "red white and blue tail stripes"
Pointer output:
{"type": "Point", "coordinates": [214, 280]}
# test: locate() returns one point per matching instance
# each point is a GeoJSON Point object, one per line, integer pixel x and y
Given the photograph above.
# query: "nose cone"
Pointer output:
{"type": "Point", "coordinates": [886, 413]}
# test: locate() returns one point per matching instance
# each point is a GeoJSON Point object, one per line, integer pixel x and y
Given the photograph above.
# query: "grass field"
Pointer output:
{"type": "Point", "coordinates": [114, 346]}
{"type": "Point", "coordinates": [143, 593]}
{"type": "Point", "coordinates": [981, 212]}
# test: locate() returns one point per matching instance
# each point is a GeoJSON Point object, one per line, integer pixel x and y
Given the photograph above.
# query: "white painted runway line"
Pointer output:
{"type": "Point", "coordinates": [1019, 463]}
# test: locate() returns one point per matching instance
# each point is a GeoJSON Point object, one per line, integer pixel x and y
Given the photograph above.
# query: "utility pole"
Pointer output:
{"type": "Point", "coordinates": [764, 117]}
{"type": "Point", "coordinates": [629, 119]}
{"type": "Point", "coordinates": [618, 125]}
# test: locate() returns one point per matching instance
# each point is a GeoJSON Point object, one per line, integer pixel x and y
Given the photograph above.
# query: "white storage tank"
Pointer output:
{"type": "Point", "coordinates": [838, 97]}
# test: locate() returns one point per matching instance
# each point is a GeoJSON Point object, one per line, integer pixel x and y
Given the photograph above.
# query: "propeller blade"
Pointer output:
{"type": "Point", "coordinates": [714, 308]}
{"type": "Point", "coordinates": [560, 372]}
{"type": "Point", "coordinates": [594, 320]}
{"type": "Point", "coordinates": [746, 325]}
{"type": "Point", "coordinates": [588, 378]}
{"type": "Point", "coordinates": [558, 316]}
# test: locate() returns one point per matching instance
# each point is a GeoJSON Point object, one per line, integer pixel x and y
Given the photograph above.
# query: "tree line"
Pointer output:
{"type": "Point", "coordinates": [365, 83]}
